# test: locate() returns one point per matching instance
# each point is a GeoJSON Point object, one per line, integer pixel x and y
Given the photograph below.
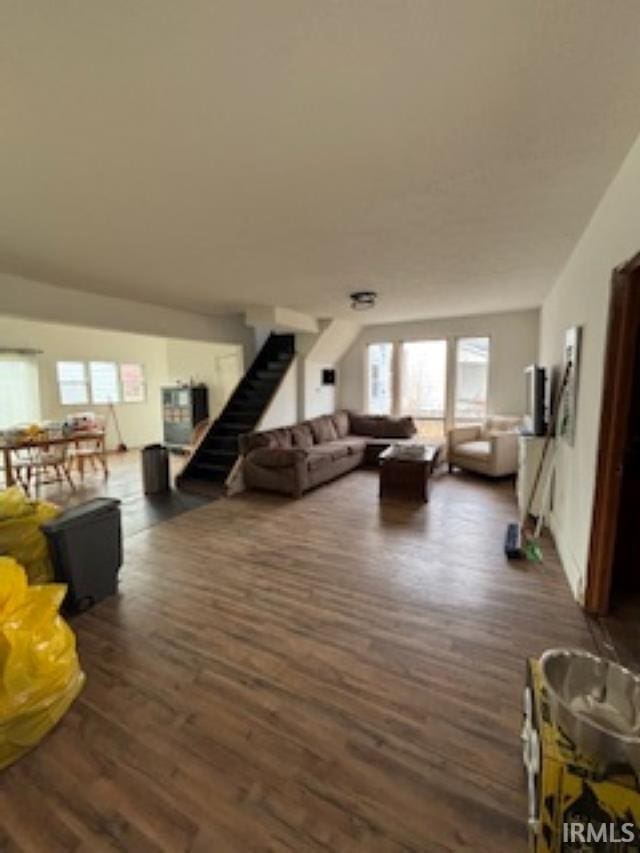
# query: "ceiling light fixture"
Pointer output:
{"type": "Point", "coordinates": [362, 300]}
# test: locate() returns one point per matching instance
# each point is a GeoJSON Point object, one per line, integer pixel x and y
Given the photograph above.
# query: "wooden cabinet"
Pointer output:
{"type": "Point", "coordinates": [183, 406]}
{"type": "Point", "coordinates": [530, 449]}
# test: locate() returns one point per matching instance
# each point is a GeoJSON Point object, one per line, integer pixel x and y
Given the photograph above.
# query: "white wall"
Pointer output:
{"type": "Point", "coordinates": [324, 350]}
{"type": "Point", "coordinates": [279, 319]}
{"type": "Point", "coordinates": [581, 297]}
{"type": "Point", "coordinates": [164, 362]}
{"type": "Point", "coordinates": [36, 300]}
{"type": "Point", "coordinates": [514, 345]}
{"type": "Point", "coordinates": [140, 423]}
{"type": "Point", "coordinates": [319, 399]}
{"type": "Point", "coordinates": [218, 366]}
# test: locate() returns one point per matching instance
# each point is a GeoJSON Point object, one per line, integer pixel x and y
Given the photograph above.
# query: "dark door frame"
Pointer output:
{"type": "Point", "coordinates": [622, 337]}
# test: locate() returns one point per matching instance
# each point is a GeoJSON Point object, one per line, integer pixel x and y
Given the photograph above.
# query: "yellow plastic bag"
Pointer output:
{"type": "Point", "coordinates": [40, 675]}
{"type": "Point", "coordinates": [20, 534]}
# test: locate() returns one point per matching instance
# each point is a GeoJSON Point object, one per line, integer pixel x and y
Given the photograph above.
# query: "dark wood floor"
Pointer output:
{"type": "Point", "coordinates": [329, 674]}
{"type": "Point", "coordinates": [124, 482]}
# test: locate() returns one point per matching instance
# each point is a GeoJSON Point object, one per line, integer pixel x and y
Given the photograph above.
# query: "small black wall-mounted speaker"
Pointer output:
{"type": "Point", "coordinates": [328, 376]}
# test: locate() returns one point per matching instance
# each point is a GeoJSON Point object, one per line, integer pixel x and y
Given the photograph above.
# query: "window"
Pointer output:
{"type": "Point", "coordinates": [132, 381]}
{"type": "Point", "coordinates": [106, 379]}
{"type": "Point", "coordinates": [105, 387]}
{"type": "Point", "coordinates": [72, 383]}
{"type": "Point", "coordinates": [424, 384]}
{"type": "Point", "coordinates": [19, 391]}
{"type": "Point", "coordinates": [472, 378]}
{"type": "Point", "coordinates": [379, 366]}
{"type": "Point", "coordinates": [425, 370]}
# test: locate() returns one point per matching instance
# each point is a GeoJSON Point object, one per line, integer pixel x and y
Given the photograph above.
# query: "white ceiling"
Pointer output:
{"type": "Point", "coordinates": [210, 155]}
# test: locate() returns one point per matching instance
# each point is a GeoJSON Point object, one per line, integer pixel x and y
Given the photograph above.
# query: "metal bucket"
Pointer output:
{"type": "Point", "coordinates": [596, 703]}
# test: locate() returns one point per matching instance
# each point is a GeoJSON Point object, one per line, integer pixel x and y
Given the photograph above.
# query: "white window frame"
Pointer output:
{"type": "Point", "coordinates": [400, 372]}
{"type": "Point", "coordinates": [367, 373]}
{"type": "Point", "coordinates": [399, 378]}
{"type": "Point", "coordinates": [84, 383]}
{"type": "Point", "coordinates": [451, 374]}
{"type": "Point", "coordinates": [454, 371]}
{"type": "Point", "coordinates": [116, 375]}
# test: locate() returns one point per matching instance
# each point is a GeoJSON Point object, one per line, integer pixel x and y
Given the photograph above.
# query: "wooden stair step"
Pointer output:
{"type": "Point", "coordinates": [210, 468]}
{"type": "Point", "coordinates": [218, 452]}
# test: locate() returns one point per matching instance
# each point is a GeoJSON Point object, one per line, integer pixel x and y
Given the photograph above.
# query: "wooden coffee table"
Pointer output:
{"type": "Point", "coordinates": [404, 477]}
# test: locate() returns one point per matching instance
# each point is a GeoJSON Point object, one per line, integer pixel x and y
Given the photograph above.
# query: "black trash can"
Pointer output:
{"type": "Point", "coordinates": [155, 469]}
{"type": "Point", "coordinates": [85, 544]}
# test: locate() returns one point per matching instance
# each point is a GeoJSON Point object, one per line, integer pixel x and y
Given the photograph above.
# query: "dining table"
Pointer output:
{"type": "Point", "coordinates": [43, 442]}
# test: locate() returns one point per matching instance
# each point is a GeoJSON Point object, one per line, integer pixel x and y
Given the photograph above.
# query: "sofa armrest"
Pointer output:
{"type": "Point", "coordinates": [277, 457]}
{"type": "Point", "coordinates": [504, 453]}
{"type": "Point", "coordinates": [458, 435]}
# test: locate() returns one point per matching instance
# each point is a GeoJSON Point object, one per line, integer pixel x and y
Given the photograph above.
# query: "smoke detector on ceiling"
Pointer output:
{"type": "Point", "coordinates": [362, 300]}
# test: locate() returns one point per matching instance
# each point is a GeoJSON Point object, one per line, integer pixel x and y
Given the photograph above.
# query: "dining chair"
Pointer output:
{"type": "Point", "coordinates": [51, 465]}
{"type": "Point", "coordinates": [89, 451]}
{"type": "Point", "coordinates": [23, 464]}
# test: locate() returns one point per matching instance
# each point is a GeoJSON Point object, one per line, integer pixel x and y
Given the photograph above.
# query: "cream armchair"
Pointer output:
{"type": "Point", "coordinates": [490, 448]}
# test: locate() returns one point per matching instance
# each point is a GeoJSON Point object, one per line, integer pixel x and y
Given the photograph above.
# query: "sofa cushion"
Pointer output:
{"type": "Point", "coordinates": [323, 429]}
{"type": "Point", "coordinates": [501, 423]}
{"type": "Point", "coordinates": [326, 453]}
{"type": "Point", "coordinates": [275, 457]}
{"type": "Point", "coordinates": [341, 423]}
{"type": "Point", "coordinates": [475, 449]}
{"type": "Point", "coordinates": [269, 438]}
{"type": "Point", "coordinates": [382, 426]}
{"type": "Point", "coordinates": [387, 442]}
{"type": "Point", "coordinates": [282, 437]}
{"type": "Point", "coordinates": [301, 436]}
{"type": "Point", "coordinates": [337, 449]}
{"type": "Point", "coordinates": [316, 458]}
{"type": "Point", "coordinates": [363, 424]}
{"type": "Point", "coordinates": [252, 440]}
{"type": "Point", "coordinates": [353, 443]}
{"type": "Point", "coordinates": [397, 427]}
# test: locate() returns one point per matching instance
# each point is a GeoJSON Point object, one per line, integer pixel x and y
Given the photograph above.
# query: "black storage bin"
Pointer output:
{"type": "Point", "coordinates": [85, 544]}
{"type": "Point", "coordinates": [155, 469]}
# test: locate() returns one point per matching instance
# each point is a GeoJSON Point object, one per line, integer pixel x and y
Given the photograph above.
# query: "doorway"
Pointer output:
{"type": "Point", "coordinates": [614, 557]}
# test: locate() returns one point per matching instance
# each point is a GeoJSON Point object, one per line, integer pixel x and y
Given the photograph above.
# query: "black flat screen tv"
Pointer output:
{"type": "Point", "coordinates": [534, 422]}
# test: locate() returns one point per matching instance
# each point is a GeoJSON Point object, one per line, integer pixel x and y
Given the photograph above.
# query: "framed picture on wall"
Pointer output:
{"type": "Point", "coordinates": [569, 405]}
{"type": "Point", "coordinates": [133, 383]}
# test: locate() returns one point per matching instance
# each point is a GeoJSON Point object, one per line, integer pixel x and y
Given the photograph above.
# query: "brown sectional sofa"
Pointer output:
{"type": "Point", "coordinates": [295, 459]}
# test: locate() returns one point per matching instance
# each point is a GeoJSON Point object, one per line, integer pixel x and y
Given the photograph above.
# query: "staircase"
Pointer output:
{"type": "Point", "coordinates": [215, 456]}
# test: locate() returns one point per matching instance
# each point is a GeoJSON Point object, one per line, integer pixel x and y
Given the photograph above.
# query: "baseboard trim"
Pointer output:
{"type": "Point", "coordinates": [570, 564]}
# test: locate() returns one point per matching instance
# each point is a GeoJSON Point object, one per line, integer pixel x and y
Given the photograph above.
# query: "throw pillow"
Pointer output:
{"type": "Point", "coordinates": [282, 437]}
{"type": "Point", "coordinates": [302, 436]}
{"type": "Point", "coordinates": [323, 429]}
{"type": "Point", "coordinates": [398, 427]}
{"type": "Point", "coordinates": [341, 423]}
{"type": "Point", "coordinates": [362, 425]}
{"type": "Point", "coordinates": [275, 457]}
